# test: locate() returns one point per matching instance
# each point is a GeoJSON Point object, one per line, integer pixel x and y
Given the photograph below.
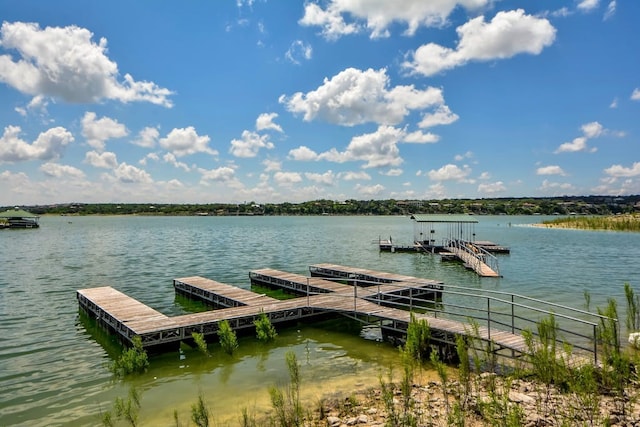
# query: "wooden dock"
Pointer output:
{"type": "Point", "coordinates": [374, 304]}
{"type": "Point", "coordinates": [473, 262]}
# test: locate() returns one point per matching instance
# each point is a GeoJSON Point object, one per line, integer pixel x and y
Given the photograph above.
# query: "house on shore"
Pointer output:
{"type": "Point", "coordinates": [18, 218]}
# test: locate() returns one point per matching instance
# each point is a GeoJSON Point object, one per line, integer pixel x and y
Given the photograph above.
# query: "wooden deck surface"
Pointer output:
{"type": "Point", "coordinates": [345, 271]}
{"type": "Point", "coordinates": [211, 287]}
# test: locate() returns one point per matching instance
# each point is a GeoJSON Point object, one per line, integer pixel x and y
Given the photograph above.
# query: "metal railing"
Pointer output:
{"type": "Point", "coordinates": [496, 310]}
{"type": "Point", "coordinates": [478, 254]}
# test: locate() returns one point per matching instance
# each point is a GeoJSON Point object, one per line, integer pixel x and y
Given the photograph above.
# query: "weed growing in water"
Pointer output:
{"type": "Point", "coordinates": [132, 360]}
{"type": "Point", "coordinates": [200, 412]}
{"type": "Point", "coordinates": [227, 337]}
{"type": "Point", "coordinates": [198, 338]}
{"type": "Point", "coordinates": [265, 331]}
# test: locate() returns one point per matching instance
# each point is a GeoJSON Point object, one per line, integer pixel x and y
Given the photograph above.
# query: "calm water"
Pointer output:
{"type": "Point", "coordinates": [52, 363]}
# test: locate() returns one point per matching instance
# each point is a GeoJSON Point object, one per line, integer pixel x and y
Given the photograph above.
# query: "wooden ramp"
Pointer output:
{"type": "Point", "coordinates": [472, 262]}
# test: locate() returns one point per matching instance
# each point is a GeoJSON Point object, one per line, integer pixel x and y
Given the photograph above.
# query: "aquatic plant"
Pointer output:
{"type": "Point", "coordinates": [200, 412]}
{"type": "Point", "coordinates": [610, 222]}
{"type": "Point", "coordinates": [125, 409]}
{"type": "Point", "coordinates": [132, 360]}
{"type": "Point", "coordinates": [227, 337]}
{"type": "Point", "coordinates": [286, 403]}
{"type": "Point", "coordinates": [265, 331]}
{"type": "Point", "coordinates": [198, 338]}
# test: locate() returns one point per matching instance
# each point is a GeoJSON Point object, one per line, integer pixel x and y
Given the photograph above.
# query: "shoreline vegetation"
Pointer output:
{"type": "Point", "coordinates": [626, 222]}
{"type": "Point", "coordinates": [585, 205]}
{"type": "Point", "coordinates": [549, 386]}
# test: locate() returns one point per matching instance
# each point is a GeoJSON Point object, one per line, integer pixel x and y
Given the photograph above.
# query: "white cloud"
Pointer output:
{"type": "Point", "coordinates": [419, 137]}
{"type": "Point", "coordinates": [221, 174]}
{"type": "Point", "coordinates": [355, 97]}
{"type": "Point", "coordinates": [332, 23]}
{"type": "Point", "coordinates": [380, 15]}
{"type": "Point", "coordinates": [287, 178]}
{"type": "Point", "coordinates": [556, 188]}
{"type": "Point", "coordinates": [59, 171]}
{"type": "Point", "coordinates": [186, 141]}
{"type": "Point", "coordinates": [449, 172]}
{"type": "Point", "coordinates": [271, 165]}
{"type": "Point", "coordinates": [131, 174]}
{"type": "Point", "coordinates": [171, 159]}
{"type": "Point", "coordinates": [147, 137]}
{"type": "Point", "coordinates": [49, 145]}
{"type": "Point", "coordinates": [265, 122]}
{"type": "Point", "coordinates": [550, 170]}
{"type": "Point", "coordinates": [620, 171]}
{"type": "Point", "coordinates": [152, 156]}
{"type": "Point", "coordinates": [635, 95]}
{"type": "Point", "coordinates": [492, 188]}
{"type": "Point", "coordinates": [97, 132]}
{"type": "Point", "coordinates": [299, 51]}
{"type": "Point", "coordinates": [461, 157]}
{"type": "Point", "coordinates": [442, 116]}
{"type": "Point", "coordinates": [354, 176]}
{"type": "Point", "coordinates": [369, 190]}
{"type": "Point", "coordinates": [250, 144]}
{"type": "Point", "coordinates": [377, 149]}
{"type": "Point", "coordinates": [589, 131]}
{"type": "Point", "coordinates": [588, 5]}
{"type": "Point", "coordinates": [327, 178]}
{"type": "Point", "coordinates": [106, 160]}
{"type": "Point", "coordinates": [611, 10]}
{"type": "Point", "coordinates": [614, 103]}
{"type": "Point", "coordinates": [509, 33]}
{"type": "Point", "coordinates": [65, 63]}
{"type": "Point", "coordinates": [485, 176]}
{"type": "Point", "coordinates": [303, 153]}
{"type": "Point", "coordinates": [392, 172]}
{"type": "Point", "coordinates": [592, 130]}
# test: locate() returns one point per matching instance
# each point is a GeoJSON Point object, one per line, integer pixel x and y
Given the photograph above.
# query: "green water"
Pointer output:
{"type": "Point", "coordinates": [52, 361]}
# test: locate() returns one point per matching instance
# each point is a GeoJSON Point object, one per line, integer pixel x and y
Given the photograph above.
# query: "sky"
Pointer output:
{"type": "Point", "coordinates": [270, 101]}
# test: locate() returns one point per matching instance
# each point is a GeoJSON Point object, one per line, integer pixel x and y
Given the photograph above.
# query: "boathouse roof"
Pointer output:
{"type": "Point", "coordinates": [444, 218]}
{"type": "Point", "coordinates": [17, 213]}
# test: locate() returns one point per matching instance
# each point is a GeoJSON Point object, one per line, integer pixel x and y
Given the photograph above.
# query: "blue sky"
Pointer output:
{"type": "Point", "coordinates": [272, 101]}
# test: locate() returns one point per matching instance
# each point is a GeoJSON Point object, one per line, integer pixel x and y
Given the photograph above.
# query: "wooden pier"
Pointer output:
{"type": "Point", "coordinates": [388, 303]}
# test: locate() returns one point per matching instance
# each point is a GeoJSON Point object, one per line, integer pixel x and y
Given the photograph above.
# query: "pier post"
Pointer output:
{"type": "Point", "coordinates": [308, 292]}
{"type": "Point", "coordinates": [513, 317]}
{"type": "Point", "coordinates": [489, 318]}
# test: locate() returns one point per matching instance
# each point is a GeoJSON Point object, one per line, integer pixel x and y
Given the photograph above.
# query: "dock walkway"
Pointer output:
{"type": "Point", "coordinates": [378, 304]}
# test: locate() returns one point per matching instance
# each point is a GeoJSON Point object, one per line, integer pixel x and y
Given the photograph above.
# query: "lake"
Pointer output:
{"type": "Point", "coordinates": [53, 362]}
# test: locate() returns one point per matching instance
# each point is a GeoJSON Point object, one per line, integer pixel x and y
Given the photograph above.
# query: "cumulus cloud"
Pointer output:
{"type": "Point", "coordinates": [249, 144]}
{"type": "Point", "coordinates": [287, 178]}
{"type": "Point", "coordinates": [555, 188]}
{"type": "Point", "coordinates": [509, 33]}
{"type": "Point", "coordinates": [171, 159]}
{"type": "Point", "coordinates": [461, 157]}
{"type": "Point", "coordinates": [635, 95]}
{"type": "Point", "coordinates": [589, 131]}
{"type": "Point", "coordinates": [299, 51]}
{"type": "Point", "coordinates": [57, 170]}
{"type": "Point", "coordinates": [449, 172]}
{"type": "Point", "coordinates": [441, 116]}
{"type": "Point", "coordinates": [97, 132]}
{"type": "Point", "coordinates": [221, 174]}
{"type": "Point", "coordinates": [106, 160]}
{"type": "Point", "coordinates": [327, 178]}
{"type": "Point", "coordinates": [378, 16]}
{"type": "Point", "coordinates": [130, 174]}
{"type": "Point", "coordinates": [303, 153]}
{"type": "Point", "coordinates": [49, 145]}
{"type": "Point", "coordinates": [369, 190]}
{"type": "Point", "coordinates": [186, 141]}
{"type": "Point", "coordinates": [377, 149]}
{"type": "Point", "coordinates": [419, 137]}
{"type": "Point", "coordinates": [492, 188]}
{"type": "Point", "coordinates": [355, 176]}
{"type": "Point", "coordinates": [392, 172]}
{"type": "Point", "coordinates": [354, 97]}
{"type": "Point", "coordinates": [620, 171]}
{"type": "Point", "coordinates": [271, 165]}
{"type": "Point", "coordinates": [147, 137]}
{"type": "Point", "coordinates": [265, 122]}
{"type": "Point", "coordinates": [550, 170]}
{"type": "Point", "coordinates": [588, 5]}
{"type": "Point", "coordinates": [65, 63]}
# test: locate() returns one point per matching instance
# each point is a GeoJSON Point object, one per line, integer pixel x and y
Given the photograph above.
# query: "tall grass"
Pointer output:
{"type": "Point", "coordinates": [612, 222]}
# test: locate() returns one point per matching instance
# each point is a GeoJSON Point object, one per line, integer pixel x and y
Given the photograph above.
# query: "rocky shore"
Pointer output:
{"type": "Point", "coordinates": [494, 400]}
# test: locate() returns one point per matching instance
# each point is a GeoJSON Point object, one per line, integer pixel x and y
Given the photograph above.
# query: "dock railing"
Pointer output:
{"type": "Point", "coordinates": [498, 311]}
{"type": "Point", "coordinates": [478, 253]}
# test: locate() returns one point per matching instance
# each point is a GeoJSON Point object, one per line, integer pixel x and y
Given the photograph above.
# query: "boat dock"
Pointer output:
{"type": "Point", "coordinates": [388, 305]}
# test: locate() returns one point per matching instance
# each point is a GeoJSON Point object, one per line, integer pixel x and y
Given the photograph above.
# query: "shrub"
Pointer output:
{"type": "Point", "coordinates": [264, 329]}
{"type": "Point", "coordinates": [132, 360]}
{"type": "Point", "coordinates": [227, 336]}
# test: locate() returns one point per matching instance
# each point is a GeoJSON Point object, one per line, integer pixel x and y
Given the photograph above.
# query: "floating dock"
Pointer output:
{"type": "Point", "coordinates": [388, 303]}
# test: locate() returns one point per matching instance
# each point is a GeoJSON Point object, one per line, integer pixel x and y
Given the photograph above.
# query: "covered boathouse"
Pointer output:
{"type": "Point", "coordinates": [18, 218]}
